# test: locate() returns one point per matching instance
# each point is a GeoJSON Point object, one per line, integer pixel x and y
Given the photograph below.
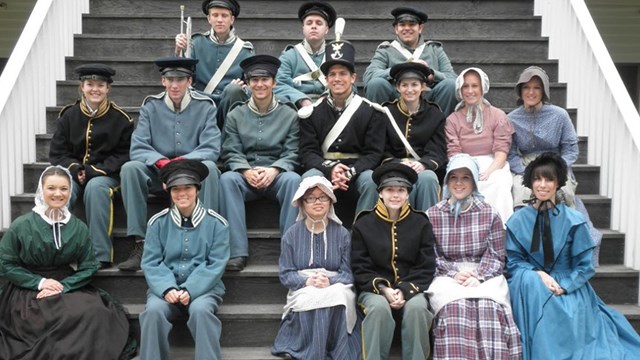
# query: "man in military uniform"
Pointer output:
{"type": "Point", "coordinates": [260, 150]}
{"type": "Point", "coordinates": [409, 46]}
{"type": "Point", "coordinates": [342, 135]}
{"type": "Point", "coordinates": [300, 80]}
{"type": "Point", "coordinates": [220, 52]}
{"type": "Point", "coordinates": [184, 127]}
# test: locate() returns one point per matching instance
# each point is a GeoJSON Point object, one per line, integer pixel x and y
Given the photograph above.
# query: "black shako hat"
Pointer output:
{"type": "Point", "coordinates": [227, 4]}
{"type": "Point", "coordinates": [339, 52]}
{"type": "Point", "coordinates": [410, 70]}
{"type": "Point", "coordinates": [95, 72]}
{"type": "Point", "coordinates": [320, 8]}
{"type": "Point", "coordinates": [394, 174]}
{"type": "Point", "coordinates": [183, 172]}
{"type": "Point", "coordinates": [408, 14]}
{"type": "Point", "coordinates": [176, 66]}
{"type": "Point", "coordinates": [259, 66]}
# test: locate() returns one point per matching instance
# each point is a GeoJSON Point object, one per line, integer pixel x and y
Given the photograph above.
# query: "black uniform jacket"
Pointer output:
{"type": "Point", "coordinates": [363, 135]}
{"type": "Point", "coordinates": [99, 145]}
{"type": "Point", "coordinates": [396, 254]}
{"type": "Point", "coordinates": [425, 132]}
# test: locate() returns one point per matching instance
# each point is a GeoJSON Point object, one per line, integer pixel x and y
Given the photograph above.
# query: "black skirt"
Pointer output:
{"type": "Point", "coordinates": [82, 324]}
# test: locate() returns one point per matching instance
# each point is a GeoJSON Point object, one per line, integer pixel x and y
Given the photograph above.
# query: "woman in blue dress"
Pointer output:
{"type": "Point", "coordinates": [549, 260]}
{"type": "Point", "coordinates": [319, 317]}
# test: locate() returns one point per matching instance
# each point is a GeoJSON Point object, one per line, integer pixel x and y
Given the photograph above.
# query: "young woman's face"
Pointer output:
{"type": "Point", "coordinates": [184, 197]}
{"type": "Point", "coordinates": [460, 183]}
{"type": "Point", "coordinates": [394, 197]}
{"type": "Point", "coordinates": [95, 91]}
{"type": "Point", "coordinates": [316, 204]}
{"type": "Point", "coordinates": [531, 92]}
{"type": "Point", "coordinates": [56, 190]}
{"type": "Point", "coordinates": [410, 89]}
{"type": "Point", "coordinates": [472, 88]}
{"type": "Point", "coordinates": [544, 188]}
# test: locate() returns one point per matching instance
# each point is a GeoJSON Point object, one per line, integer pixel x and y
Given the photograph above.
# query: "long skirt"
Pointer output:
{"type": "Point", "coordinates": [475, 329]}
{"type": "Point", "coordinates": [317, 335]}
{"type": "Point", "coordinates": [82, 324]}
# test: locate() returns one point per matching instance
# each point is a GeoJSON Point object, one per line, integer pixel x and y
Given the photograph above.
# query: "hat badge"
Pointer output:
{"type": "Point", "coordinates": [337, 51]}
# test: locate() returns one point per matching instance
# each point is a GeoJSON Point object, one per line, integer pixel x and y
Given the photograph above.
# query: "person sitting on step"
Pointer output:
{"type": "Point", "coordinates": [185, 252]}
{"type": "Point", "coordinates": [300, 80]}
{"type": "Point", "coordinates": [178, 123]}
{"type": "Point", "coordinates": [220, 52]}
{"type": "Point", "coordinates": [409, 46]}
{"type": "Point", "coordinates": [92, 141]}
{"type": "Point", "coordinates": [260, 152]}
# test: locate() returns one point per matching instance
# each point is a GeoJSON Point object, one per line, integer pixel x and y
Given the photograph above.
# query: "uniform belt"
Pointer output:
{"type": "Point", "coordinates": [340, 156]}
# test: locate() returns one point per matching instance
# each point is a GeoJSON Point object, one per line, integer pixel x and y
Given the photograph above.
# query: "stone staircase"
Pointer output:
{"type": "Point", "coordinates": [501, 37]}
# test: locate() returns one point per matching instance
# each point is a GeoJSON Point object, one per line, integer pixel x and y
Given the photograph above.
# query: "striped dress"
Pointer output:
{"type": "Point", "coordinates": [473, 322]}
{"type": "Point", "coordinates": [320, 333]}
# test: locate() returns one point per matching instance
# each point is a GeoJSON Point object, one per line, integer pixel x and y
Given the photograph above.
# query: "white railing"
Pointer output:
{"type": "Point", "coordinates": [606, 113]}
{"type": "Point", "coordinates": [28, 86]}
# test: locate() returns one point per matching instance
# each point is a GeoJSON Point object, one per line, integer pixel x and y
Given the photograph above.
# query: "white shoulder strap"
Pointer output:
{"type": "Point", "coordinates": [342, 122]}
{"type": "Point", "coordinates": [400, 134]}
{"type": "Point", "coordinates": [410, 57]}
{"type": "Point", "coordinates": [224, 67]}
{"type": "Point", "coordinates": [315, 72]}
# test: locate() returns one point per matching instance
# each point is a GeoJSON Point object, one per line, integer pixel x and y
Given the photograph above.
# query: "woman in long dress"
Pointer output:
{"type": "Point", "coordinates": [469, 294]}
{"type": "Point", "coordinates": [549, 260]}
{"type": "Point", "coordinates": [483, 131]}
{"type": "Point", "coordinates": [319, 318]}
{"type": "Point", "coordinates": [48, 310]}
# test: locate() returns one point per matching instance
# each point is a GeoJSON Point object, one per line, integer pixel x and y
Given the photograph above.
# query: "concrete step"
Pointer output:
{"type": "Point", "coordinates": [616, 284]}
{"type": "Point", "coordinates": [631, 312]}
{"type": "Point", "coordinates": [612, 247]}
{"type": "Point", "coordinates": [132, 93]}
{"type": "Point", "coordinates": [228, 353]}
{"type": "Point", "coordinates": [599, 208]}
{"type": "Point", "coordinates": [343, 7]}
{"type": "Point", "coordinates": [143, 69]}
{"type": "Point", "coordinates": [476, 48]}
{"type": "Point", "coordinates": [276, 26]}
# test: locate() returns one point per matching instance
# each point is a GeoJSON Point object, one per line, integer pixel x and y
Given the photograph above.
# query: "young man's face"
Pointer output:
{"type": "Point", "coordinates": [220, 20]}
{"type": "Point", "coordinates": [176, 87]}
{"type": "Point", "coordinates": [314, 28]}
{"type": "Point", "coordinates": [408, 32]}
{"type": "Point", "coordinates": [261, 87]}
{"type": "Point", "coordinates": [340, 80]}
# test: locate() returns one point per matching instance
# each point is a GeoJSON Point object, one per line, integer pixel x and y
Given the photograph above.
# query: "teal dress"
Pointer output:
{"type": "Point", "coordinates": [577, 324]}
{"type": "Point", "coordinates": [80, 323]}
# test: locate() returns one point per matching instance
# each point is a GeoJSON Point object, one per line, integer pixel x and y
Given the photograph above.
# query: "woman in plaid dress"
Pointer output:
{"type": "Point", "coordinates": [469, 294]}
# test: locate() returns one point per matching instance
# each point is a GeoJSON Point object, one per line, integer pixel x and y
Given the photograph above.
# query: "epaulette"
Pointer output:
{"type": "Point", "coordinates": [384, 44]}
{"type": "Point", "coordinates": [218, 216]}
{"type": "Point", "coordinates": [433, 103]}
{"type": "Point", "coordinates": [423, 213]}
{"type": "Point", "coordinates": [306, 111]}
{"type": "Point", "coordinates": [362, 213]}
{"type": "Point", "coordinates": [236, 104]}
{"type": "Point", "coordinates": [289, 47]}
{"type": "Point", "coordinates": [248, 45]}
{"type": "Point", "coordinates": [66, 107]}
{"type": "Point", "coordinates": [374, 105]}
{"type": "Point", "coordinates": [434, 43]}
{"type": "Point", "coordinates": [196, 95]}
{"type": "Point", "coordinates": [289, 104]}
{"type": "Point", "coordinates": [154, 97]}
{"type": "Point", "coordinates": [206, 33]}
{"type": "Point", "coordinates": [119, 109]}
{"type": "Point", "coordinates": [390, 102]}
{"type": "Point", "coordinates": [158, 215]}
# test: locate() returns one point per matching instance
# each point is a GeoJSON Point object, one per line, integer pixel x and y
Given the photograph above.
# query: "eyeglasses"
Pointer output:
{"type": "Point", "coordinates": [313, 199]}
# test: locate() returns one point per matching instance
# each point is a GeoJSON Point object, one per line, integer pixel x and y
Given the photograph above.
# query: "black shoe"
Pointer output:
{"type": "Point", "coordinates": [236, 263]}
{"type": "Point", "coordinates": [105, 265]}
{"type": "Point", "coordinates": [133, 262]}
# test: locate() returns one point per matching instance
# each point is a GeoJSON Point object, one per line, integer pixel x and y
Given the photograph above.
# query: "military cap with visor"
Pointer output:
{"type": "Point", "coordinates": [176, 66]}
{"type": "Point", "coordinates": [183, 172]}
{"type": "Point", "coordinates": [394, 174]}
{"type": "Point", "coordinates": [260, 66]}
{"type": "Point", "coordinates": [226, 4]}
{"type": "Point", "coordinates": [320, 8]}
{"type": "Point", "coordinates": [339, 52]}
{"type": "Point", "coordinates": [410, 70]}
{"type": "Point", "coordinates": [408, 14]}
{"type": "Point", "coordinates": [96, 71]}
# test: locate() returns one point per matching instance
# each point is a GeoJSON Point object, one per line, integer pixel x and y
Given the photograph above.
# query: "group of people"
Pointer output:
{"type": "Point", "coordinates": [433, 185]}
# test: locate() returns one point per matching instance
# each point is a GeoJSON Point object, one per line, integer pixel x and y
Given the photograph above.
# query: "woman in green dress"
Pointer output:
{"type": "Point", "coordinates": [48, 310]}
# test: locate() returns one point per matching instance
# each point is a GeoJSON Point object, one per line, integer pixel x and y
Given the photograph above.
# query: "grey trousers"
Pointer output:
{"type": "Point", "coordinates": [138, 180]}
{"type": "Point", "coordinates": [378, 327]}
{"type": "Point", "coordinates": [425, 192]}
{"type": "Point", "coordinates": [97, 196]}
{"type": "Point", "coordinates": [204, 325]}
